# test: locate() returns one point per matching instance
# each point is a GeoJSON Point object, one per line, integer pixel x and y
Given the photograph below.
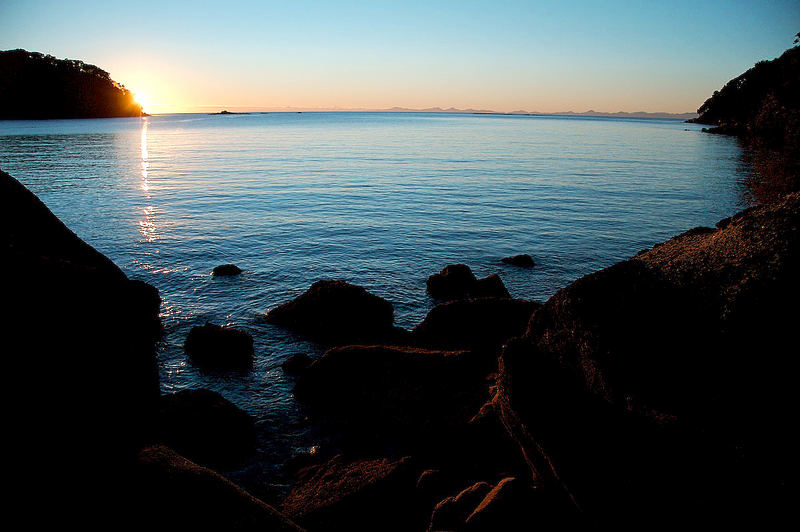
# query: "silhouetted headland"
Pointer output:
{"type": "Point", "coordinates": [35, 86]}
{"type": "Point", "coordinates": [762, 108]}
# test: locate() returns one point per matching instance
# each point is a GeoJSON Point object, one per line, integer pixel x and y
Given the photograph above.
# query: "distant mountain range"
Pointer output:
{"type": "Point", "coordinates": [618, 114]}
{"type": "Point", "coordinates": [453, 110]}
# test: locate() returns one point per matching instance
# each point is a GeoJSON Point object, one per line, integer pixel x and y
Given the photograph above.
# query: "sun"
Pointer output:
{"type": "Point", "coordinates": [142, 99]}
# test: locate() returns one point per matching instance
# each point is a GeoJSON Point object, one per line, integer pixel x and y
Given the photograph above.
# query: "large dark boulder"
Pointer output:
{"type": "Point", "coordinates": [337, 312]}
{"type": "Point", "coordinates": [364, 494]}
{"type": "Point", "coordinates": [206, 428]}
{"type": "Point", "coordinates": [456, 281]}
{"type": "Point", "coordinates": [407, 392]}
{"type": "Point", "coordinates": [662, 385]}
{"type": "Point", "coordinates": [79, 346]}
{"type": "Point", "coordinates": [484, 323]}
{"type": "Point", "coordinates": [172, 493]}
{"type": "Point", "coordinates": [215, 347]}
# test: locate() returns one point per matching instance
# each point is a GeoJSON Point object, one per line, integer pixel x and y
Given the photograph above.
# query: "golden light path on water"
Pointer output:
{"type": "Point", "coordinates": [147, 227]}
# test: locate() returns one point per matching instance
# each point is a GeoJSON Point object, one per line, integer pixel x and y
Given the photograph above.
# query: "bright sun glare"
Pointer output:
{"type": "Point", "coordinates": [143, 99]}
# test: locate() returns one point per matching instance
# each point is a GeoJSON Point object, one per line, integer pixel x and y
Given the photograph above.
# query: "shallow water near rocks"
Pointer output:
{"type": "Point", "coordinates": [382, 200]}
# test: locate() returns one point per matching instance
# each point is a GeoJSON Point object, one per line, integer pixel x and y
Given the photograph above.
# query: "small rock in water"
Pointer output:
{"type": "Point", "coordinates": [456, 281]}
{"type": "Point", "coordinates": [523, 261]}
{"type": "Point", "coordinates": [219, 348]}
{"type": "Point", "coordinates": [226, 270]}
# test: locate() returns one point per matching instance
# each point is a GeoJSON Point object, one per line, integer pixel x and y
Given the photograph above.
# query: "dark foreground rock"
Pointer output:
{"type": "Point", "coordinates": [79, 347]}
{"type": "Point", "coordinates": [215, 347]}
{"type": "Point", "coordinates": [674, 370]}
{"type": "Point", "coordinates": [296, 364]}
{"type": "Point", "coordinates": [176, 494]}
{"type": "Point", "coordinates": [403, 391]}
{"type": "Point", "coordinates": [206, 428]}
{"type": "Point", "coordinates": [373, 494]}
{"type": "Point", "coordinates": [226, 270]}
{"type": "Point", "coordinates": [337, 312]}
{"type": "Point", "coordinates": [523, 261]}
{"type": "Point", "coordinates": [484, 323]}
{"type": "Point", "coordinates": [456, 281]}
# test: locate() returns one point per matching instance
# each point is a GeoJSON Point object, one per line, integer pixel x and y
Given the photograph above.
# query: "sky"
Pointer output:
{"type": "Point", "coordinates": [538, 56]}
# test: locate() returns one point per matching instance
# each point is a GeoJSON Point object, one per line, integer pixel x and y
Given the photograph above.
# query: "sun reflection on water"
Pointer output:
{"type": "Point", "coordinates": [147, 226]}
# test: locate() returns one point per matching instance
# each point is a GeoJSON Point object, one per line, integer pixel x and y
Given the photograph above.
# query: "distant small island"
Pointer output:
{"type": "Point", "coordinates": [224, 112]}
{"type": "Point", "coordinates": [35, 86]}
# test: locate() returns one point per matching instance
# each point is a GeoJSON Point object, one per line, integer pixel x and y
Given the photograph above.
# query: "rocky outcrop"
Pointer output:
{"type": "Point", "coordinates": [523, 261]}
{"type": "Point", "coordinates": [338, 313]}
{"type": "Point", "coordinates": [174, 493]}
{"type": "Point", "coordinates": [484, 323]}
{"type": "Point", "coordinates": [403, 391]}
{"type": "Point", "coordinates": [79, 345]}
{"type": "Point", "coordinates": [215, 347]}
{"type": "Point", "coordinates": [206, 428]}
{"type": "Point", "coordinates": [373, 494]}
{"type": "Point", "coordinates": [452, 512]}
{"type": "Point", "coordinates": [226, 270]}
{"type": "Point", "coordinates": [456, 281]}
{"type": "Point", "coordinates": [674, 371]}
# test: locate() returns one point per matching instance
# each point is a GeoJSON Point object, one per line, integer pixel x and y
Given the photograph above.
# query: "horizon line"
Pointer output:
{"type": "Point", "coordinates": [214, 109]}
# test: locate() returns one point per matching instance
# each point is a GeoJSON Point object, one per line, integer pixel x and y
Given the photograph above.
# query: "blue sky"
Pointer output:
{"type": "Point", "coordinates": [538, 56]}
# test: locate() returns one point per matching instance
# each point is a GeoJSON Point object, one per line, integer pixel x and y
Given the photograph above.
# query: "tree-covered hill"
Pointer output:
{"type": "Point", "coordinates": [38, 86]}
{"type": "Point", "coordinates": [763, 102]}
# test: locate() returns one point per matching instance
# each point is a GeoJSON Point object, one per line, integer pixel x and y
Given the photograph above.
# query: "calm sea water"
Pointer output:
{"type": "Point", "coordinates": [381, 200]}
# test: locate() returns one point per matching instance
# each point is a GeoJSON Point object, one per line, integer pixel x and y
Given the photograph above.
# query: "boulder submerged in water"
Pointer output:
{"type": "Point", "coordinates": [205, 427]}
{"type": "Point", "coordinates": [226, 270]}
{"type": "Point", "coordinates": [215, 347]}
{"type": "Point", "coordinates": [523, 261]}
{"type": "Point", "coordinates": [456, 281]}
{"type": "Point", "coordinates": [338, 313]}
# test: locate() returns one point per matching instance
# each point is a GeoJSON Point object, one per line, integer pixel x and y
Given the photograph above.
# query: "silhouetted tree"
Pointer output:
{"type": "Point", "coordinates": [38, 86]}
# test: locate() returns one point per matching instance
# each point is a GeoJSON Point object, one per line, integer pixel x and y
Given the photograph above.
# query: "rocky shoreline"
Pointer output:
{"type": "Point", "coordinates": [651, 393]}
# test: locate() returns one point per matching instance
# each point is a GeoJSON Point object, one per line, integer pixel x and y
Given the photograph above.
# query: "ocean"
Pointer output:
{"type": "Point", "coordinates": [382, 200]}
